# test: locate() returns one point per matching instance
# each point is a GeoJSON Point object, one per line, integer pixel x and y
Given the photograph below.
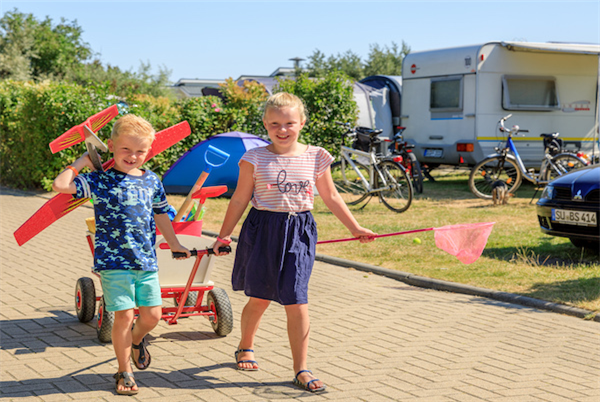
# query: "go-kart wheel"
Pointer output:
{"type": "Point", "coordinates": [191, 300]}
{"type": "Point", "coordinates": [218, 302]}
{"type": "Point", "coordinates": [85, 299]}
{"type": "Point", "coordinates": [104, 323]}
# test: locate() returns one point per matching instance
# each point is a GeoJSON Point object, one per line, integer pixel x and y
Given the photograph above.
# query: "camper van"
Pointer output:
{"type": "Point", "coordinates": [452, 99]}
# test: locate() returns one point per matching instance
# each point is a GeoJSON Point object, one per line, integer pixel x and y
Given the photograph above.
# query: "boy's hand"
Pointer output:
{"type": "Point", "coordinates": [365, 235]}
{"type": "Point", "coordinates": [180, 249]}
{"type": "Point", "coordinates": [84, 160]}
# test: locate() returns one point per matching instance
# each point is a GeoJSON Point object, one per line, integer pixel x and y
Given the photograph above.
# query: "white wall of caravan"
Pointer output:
{"type": "Point", "coordinates": [575, 82]}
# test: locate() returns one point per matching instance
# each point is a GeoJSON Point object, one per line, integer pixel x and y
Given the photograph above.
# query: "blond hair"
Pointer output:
{"type": "Point", "coordinates": [285, 99]}
{"type": "Point", "coordinates": [133, 126]}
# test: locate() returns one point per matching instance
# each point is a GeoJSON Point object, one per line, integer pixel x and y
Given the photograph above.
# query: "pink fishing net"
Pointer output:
{"type": "Point", "coordinates": [465, 241]}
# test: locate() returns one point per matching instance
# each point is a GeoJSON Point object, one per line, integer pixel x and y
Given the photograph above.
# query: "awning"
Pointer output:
{"type": "Point", "coordinates": [553, 47]}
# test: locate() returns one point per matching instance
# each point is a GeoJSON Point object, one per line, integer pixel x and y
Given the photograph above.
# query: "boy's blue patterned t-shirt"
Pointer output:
{"type": "Point", "coordinates": [124, 208]}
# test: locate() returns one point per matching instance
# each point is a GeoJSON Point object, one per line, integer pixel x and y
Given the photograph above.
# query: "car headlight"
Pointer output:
{"type": "Point", "coordinates": [548, 192]}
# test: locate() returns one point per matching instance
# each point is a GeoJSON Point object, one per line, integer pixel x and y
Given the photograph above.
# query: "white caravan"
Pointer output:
{"type": "Point", "coordinates": [452, 99]}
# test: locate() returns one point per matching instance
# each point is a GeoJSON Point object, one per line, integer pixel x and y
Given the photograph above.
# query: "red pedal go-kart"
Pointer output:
{"type": "Point", "coordinates": [176, 282]}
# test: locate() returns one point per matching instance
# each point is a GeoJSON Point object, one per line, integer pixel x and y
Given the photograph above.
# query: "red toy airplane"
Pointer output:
{"type": "Point", "coordinates": [62, 204]}
{"type": "Point", "coordinates": [78, 134]}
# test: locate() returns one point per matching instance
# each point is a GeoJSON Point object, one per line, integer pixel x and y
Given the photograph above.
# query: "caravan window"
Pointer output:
{"type": "Point", "coordinates": [529, 93]}
{"type": "Point", "coordinates": [446, 94]}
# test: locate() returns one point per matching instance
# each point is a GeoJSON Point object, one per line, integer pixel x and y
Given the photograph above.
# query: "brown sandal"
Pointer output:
{"type": "Point", "coordinates": [128, 381]}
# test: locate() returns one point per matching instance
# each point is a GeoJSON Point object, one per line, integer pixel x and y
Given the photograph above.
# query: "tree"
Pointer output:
{"type": "Point", "coordinates": [381, 61]}
{"type": "Point", "coordinates": [122, 83]}
{"type": "Point", "coordinates": [16, 48]}
{"type": "Point", "coordinates": [39, 50]}
{"type": "Point", "coordinates": [386, 60]}
{"type": "Point", "coordinates": [33, 49]}
{"type": "Point", "coordinates": [349, 63]}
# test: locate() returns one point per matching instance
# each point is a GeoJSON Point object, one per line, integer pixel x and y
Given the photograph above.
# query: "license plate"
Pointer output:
{"type": "Point", "coordinates": [578, 218]}
{"type": "Point", "coordinates": [434, 153]}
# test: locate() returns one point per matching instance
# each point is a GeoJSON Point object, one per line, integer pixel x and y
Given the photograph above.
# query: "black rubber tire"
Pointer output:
{"type": "Point", "coordinates": [416, 174]}
{"type": "Point", "coordinates": [218, 301]}
{"type": "Point", "coordinates": [491, 170]}
{"type": "Point", "coordinates": [587, 244]}
{"type": "Point", "coordinates": [563, 164]}
{"type": "Point", "coordinates": [104, 323]}
{"type": "Point", "coordinates": [399, 197]}
{"type": "Point", "coordinates": [191, 300]}
{"type": "Point", "coordinates": [85, 299]}
{"type": "Point", "coordinates": [348, 183]}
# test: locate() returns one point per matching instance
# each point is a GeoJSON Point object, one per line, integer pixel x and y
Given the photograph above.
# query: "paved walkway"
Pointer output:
{"type": "Point", "coordinates": [373, 338]}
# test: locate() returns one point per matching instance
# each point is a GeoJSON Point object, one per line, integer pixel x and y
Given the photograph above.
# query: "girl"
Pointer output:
{"type": "Point", "coordinates": [277, 243]}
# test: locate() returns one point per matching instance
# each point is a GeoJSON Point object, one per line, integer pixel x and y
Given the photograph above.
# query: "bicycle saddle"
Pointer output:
{"type": "Point", "coordinates": [550, 135]}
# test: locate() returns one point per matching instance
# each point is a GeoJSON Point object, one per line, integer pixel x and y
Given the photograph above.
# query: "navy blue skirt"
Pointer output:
{"type": "Point", "coordinates": [275, 256]}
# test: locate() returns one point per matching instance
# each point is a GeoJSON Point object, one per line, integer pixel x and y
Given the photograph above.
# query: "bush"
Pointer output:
{"type": "Point", "coordinates": [31, 116]}
{"type": "Point", "coordinates": [248, 100]}
{"type": "Point", "coordinates": [328, 100]}
{"type": "Point", "coordinates": [161, 113]}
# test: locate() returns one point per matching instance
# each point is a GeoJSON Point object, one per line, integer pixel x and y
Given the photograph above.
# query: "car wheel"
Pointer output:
{"type": "Point", "coordinates": [587, 244]}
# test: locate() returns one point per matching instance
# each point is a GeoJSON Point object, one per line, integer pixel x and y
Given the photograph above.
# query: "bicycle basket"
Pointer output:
{"type": "Point", "coordinates": [553, 145]}
{"type": "Point", "coordinates": [364, 141]}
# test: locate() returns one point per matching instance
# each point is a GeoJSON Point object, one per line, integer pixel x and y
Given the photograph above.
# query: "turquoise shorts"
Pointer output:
{"type": "Point", "coordinates": [127, 289]}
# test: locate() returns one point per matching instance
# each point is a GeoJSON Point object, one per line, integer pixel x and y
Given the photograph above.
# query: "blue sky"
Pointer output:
{"type": "Point", "coordinates": [216, 40]}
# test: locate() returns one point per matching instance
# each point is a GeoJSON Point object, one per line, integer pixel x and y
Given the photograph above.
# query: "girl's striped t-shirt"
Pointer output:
{"type": "Point", "coordinates": [286, 183]}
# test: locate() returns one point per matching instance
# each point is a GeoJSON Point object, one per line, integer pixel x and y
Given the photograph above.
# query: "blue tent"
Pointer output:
{"type": "Point", "coordinates": [180, 177]}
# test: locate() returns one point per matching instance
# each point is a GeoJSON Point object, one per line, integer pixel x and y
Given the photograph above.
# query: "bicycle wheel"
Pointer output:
{"type": "Point", "coordinates": [561, 164]}
{"type": "Point", "coordinates": [348, 183]}
{"type": "Point", "coordinates": [491, 170]}
{"type": "Point", "coordinates": [398, 192]}
{"type": "Point", "coordinates": [415, 173]}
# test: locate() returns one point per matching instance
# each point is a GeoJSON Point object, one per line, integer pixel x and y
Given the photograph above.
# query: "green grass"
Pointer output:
{"type": "Point", "coordinates": [518, 258]}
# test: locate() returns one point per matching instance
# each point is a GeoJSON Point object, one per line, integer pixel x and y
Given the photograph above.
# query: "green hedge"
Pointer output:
{"type": "Point", "coordinates": [328, 100]}
{"type": "Point", "coordinates": [32, 115]}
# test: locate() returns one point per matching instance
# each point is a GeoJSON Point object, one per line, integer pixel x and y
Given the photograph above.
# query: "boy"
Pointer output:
{"type": "Point", "coordinates": [128, 205]}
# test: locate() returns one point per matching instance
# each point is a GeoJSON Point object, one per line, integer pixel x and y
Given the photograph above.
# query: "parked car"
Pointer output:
{"type": "Point", "coordinates": [570, 207]}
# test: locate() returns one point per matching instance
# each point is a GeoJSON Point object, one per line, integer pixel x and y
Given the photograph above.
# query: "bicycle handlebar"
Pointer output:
{"type": "Point", "coordinates": [502, 120]}
{"type": "Point", "coordinates": [515, 129]}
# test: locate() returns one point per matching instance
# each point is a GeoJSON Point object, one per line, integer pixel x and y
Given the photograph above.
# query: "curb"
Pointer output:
{"type": "Point", "coordinates": [453, 287]}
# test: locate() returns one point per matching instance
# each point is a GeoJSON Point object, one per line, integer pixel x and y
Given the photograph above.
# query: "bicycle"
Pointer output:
{"type": "Point", "coordinates": [362, 172]}
{"type": "Point", "coordinates": [402, 153]}
{"type": "Point", "coordinates": [506, 166]}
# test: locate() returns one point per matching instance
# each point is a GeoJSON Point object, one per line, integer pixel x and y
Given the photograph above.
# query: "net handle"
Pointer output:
{"type": "Point", "coordinates": [374, 237]}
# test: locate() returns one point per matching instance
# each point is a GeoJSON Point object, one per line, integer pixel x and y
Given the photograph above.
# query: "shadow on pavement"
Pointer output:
{"type": "Point", "coordinates": [194, 378]}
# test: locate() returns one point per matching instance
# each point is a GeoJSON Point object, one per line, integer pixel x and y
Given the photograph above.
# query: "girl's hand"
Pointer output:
{"type": "Point", "coordinates": [365, 235]}
{"type": "Point", "coordinates": [219, 244]}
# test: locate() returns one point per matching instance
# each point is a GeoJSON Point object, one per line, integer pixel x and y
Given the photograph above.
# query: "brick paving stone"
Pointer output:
{"type": "Point", "coordinates": [373, 338]}
{"type": "Point", "coordinates": [552, 397]}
